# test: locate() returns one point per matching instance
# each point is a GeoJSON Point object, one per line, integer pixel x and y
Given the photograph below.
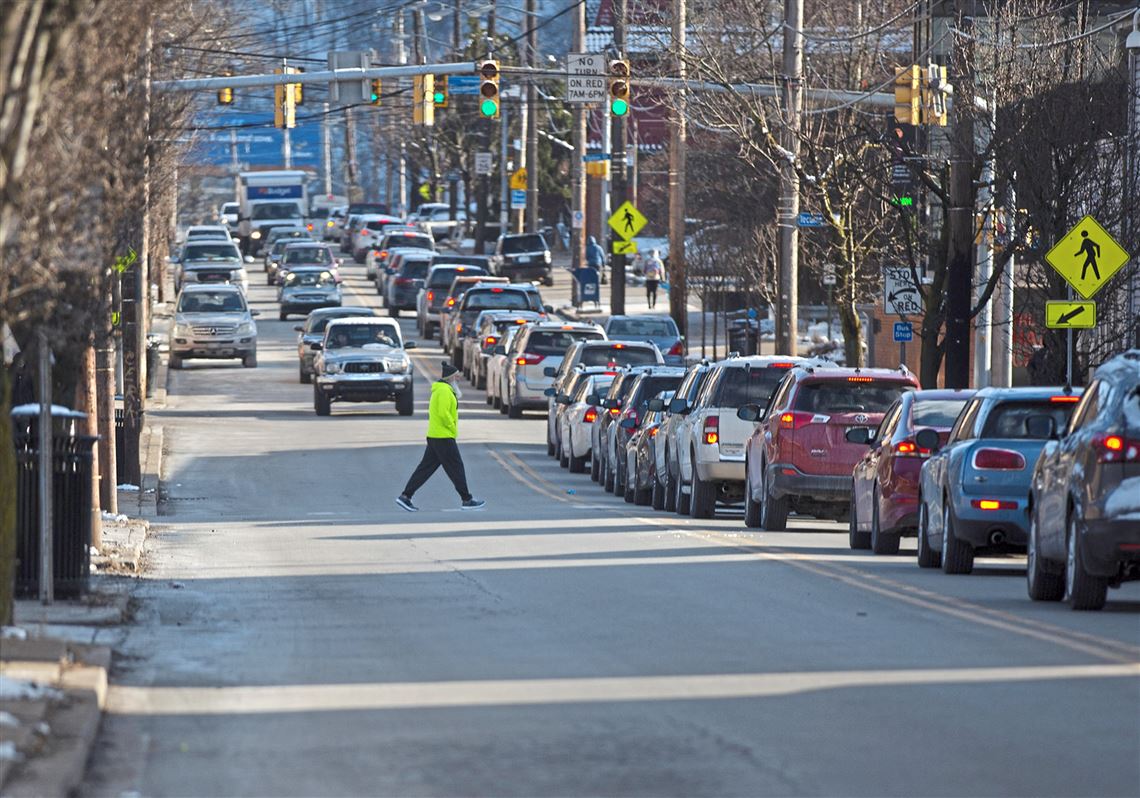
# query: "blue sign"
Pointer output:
{"type": "Point", "coordinates": [518, 197]}
{"type": "Point", "coordinates": [904, 332]}
{"type": "Point", "coordinates": [597, 156]}
{"type": "Point", "coordinates": [463, 85]}
{"type": "Point", "coordinates": [222, 134]}
{"type": "Point", "coordinates": [274, 192]}
{"type": "Point", "coordinates": [809, 219]}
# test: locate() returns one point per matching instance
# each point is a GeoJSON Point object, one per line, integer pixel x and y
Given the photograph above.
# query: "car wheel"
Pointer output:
{"type": "Point", "coordinates": [321, 403]}
{"type": "Point", "coordinates": [881, 542]}
{"type": "Point", "coordinates": [751, 506]}
{"type": "Point", "coordinates": [393, 311]}
{"type": "Point", "coordinates": [480, 381]}
{"type": "Point", "coordinates": [577, 465]}
{"type": "Point", "coordinates": [406, 403]}
{"type": "Point", "coordinates": [628, 485]}
{"type": "Point", "coordinates": [957, 555]}
{"type": "Point", "coordinates": [502, 406]}
{"type": "Point", "coordinates": [490, 400]}
{"type": "Point", "coordinates": [657, 494]}
{"type": "Point", "coordinates": [1083, 591]}
{"type": "Point", "coordinates": [773, 511]}
{"type": "Point", "coordinates": [551, 449]}
{"type": "Point", "coordinates": [561, 454]}
{"type": "Point", "coordinates": [595, 468]}
{"type": "Point", "coordinates": [1043, 583]}
{"type": "Point", "coordinates": [249, 361]}
{"type": "Point", "coordinates": [856, 539]}
{"type": "Point", "coordinates": [548, 280]}
{"type": "Point", "coordinates": [306, 377]}
{"type": "Point", "coordinates": [703, 501]}
{"type": "Point", "coordinates": [457, 357]}
{"type": "Point", "coordinates": [175, 362]}
{"type": "Point", "coordinates": [268, 278]}
{"type": "Point", "coordinates": [282, 316]}
{"type": "Point", "coordinates": [670, 491]}
{"type": "Point", "coordinates": [429, 330]}
{"type": "Point", "coordinates": [513, 411]}
{"type": "Point", "coordinates": [927, 557]}
{"type": "Point", "coordinates": [609, 478]}
{"type": "Point", "coordinates": [681, 500]}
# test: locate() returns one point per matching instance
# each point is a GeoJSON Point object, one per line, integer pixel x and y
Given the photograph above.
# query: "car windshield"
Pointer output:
{"type": "Point", "coordinates": [651, 386]}
{"type": "Point", "coordinates": [319, 213]}
{"type": "Point", "coordinates": [618, 355]}
{"type": "Point", "coordinates": [936, 412]}
{"type": "Point", "coordinates": [276, 210]}
{"type": "Point", "coordinates": [555, 342]}
{"type": "Point", "coordinates": [379, 224]}
{"type": "Point", "coordinates": [443, 276]}
{"type": "Point", "coordinates": [846, 396]}
{"type": "Point", "coordinates": [1007, 420]}
{"type": "Point", "coordinates": [309, 278]}
{"type": "Point", "coordinates": [642, 328]}
{"type": "Point", "coordinates": [357, 335]}
{"type": "Point", "coordinates": [530, 243]}
{"type": "Point", "coordinates": [225, 251]}
{"type": "Point", "coordinates": [498, 298]}
{"type": "Point", "coordinates": [211, 302]}
{"type": "Point", "coordinates": [318, 255]}
{"type": "Point", "coordinates": [403, 240]}
{"type": "Point", "coordinates": [416, 269]}
{"type": "Point", "coordinates": [230, 207]}
{"type": "Point", "coordinates": [317, 322]}
{"type": "Point", "coordinates": [358, 208]}
{"type": "Point", "coordinates": [743, 386]}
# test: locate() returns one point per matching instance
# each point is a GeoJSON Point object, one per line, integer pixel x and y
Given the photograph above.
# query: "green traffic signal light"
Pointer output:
{"type": "Point", "coordinates": [619, 107]}
{"type": "Point", "coordinates": [488, 107]}
{"type": "Point", "coordinates": [438, 97]}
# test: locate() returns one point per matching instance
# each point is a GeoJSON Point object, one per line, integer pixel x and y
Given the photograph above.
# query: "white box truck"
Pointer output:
{"type": "Point", "coordinates": [269, 199]}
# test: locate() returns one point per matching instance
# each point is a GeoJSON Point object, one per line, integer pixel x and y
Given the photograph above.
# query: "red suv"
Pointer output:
{"type": "Point", "coordinates": [798, 457]}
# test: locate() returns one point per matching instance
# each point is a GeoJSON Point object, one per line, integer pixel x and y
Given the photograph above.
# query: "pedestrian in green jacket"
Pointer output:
{"type": "Point", "coordinates": [442, 449]}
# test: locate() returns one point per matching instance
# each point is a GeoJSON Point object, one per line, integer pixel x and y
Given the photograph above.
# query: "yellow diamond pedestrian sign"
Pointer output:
{"type": "Point", "coordinates": [518, 179]}
{"type": "Point", "coordinates": [622, 247]}
{"type": "Point", "coordinates": [1087, 257]}
{"type": "Point", "coordinates": [1070, 315]}
{"type": "Point", "coordinates": [627, 220]}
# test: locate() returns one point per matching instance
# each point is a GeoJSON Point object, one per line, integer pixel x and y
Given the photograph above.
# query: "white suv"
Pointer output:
{"type": "Point", "coordinates": [536, 354]}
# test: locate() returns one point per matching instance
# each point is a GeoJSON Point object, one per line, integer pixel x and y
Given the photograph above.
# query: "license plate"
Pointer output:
{"type": "Point", "coordinates": [524, 259]}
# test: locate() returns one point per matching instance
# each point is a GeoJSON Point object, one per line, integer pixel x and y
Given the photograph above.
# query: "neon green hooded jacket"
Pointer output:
{"type": "Point", "coordinates": [443, 412]}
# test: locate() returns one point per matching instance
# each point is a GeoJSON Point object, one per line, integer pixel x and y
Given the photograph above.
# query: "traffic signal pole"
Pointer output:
{"type": "Point", "coordinates": [532, 118]}
{"type": "Point", "coordinates": [787, 320]}
{"type": "Point", "coordinates": [678, 142]}
{"type": "Point", "coordinates": [618, 171]}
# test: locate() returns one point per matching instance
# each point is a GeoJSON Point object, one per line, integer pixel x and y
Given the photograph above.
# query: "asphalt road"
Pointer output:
{"type": "Point", "coordinates": [299, 634]}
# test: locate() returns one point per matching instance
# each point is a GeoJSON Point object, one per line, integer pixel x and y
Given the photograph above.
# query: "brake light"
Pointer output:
{"type": "Point", "coordinates": [998, 460]}
{"type": "Point", "coordinates": [383, 254]}
{"type": "Point", "coordinates": [404, 281]}
{"type": "Point", "coordinates": [676, 349]}
{"type": "Point", "coordinates": [910, 449]}
{"type": "Point", "coordinates": [859, 379]}
{"type": "Point", "coordinates": [430, 296]}
{"type": "Point", "coordinates": [309, 226]}
{"type": "Point", "coordinates": [591, 415]}
{"type": "Point", "coordinates": [496, 290]}
{"type": "Point", "coordinates": [1066, 399]}
{"type": "Point", "coordinates": [1117, 449]}
{"type": "Point", "coordinates": [712, 430]}
{"type": "Point", "coordinates": [794, 420]}
{"type": "Point", "coordinates": [615, 411]}
{"type": "Point", "coordinates": [618, 346]}
{"type": "Point", "coordinates": [653, 432]}
{"type": "Point", "coordinates": [529, 359]}
{"type": "Point", "coordinates": [780, 365]}
{"type": "Point", "coordinates": [490, 340]}
{"type": "Point", "coordinates": [450, 301]}
{"type": "Point", "coordinates": [993, 504]}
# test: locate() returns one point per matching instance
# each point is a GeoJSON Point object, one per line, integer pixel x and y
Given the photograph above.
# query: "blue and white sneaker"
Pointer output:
{"type": "Point", "coordinates": [473, 504]}
{"type": "Point", "coordinates": [406, 503]}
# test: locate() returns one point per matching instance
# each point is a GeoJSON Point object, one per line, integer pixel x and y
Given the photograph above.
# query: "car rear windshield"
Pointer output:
{"type": "Point", "coordinates": [318, 255]}
{"type": "Point", "coordinates": [619, 355]}
{"type": "Point", "coordinates": [507, 300]}
{"type": "Point", "coordinates": [319, 213]}
{"type": "Point", "coordinates": [744, 386]}
{"type": "Point", "coordinates": [556, 342]}
{"type": "Point", "coordinates": [211, 302]}
{"type": "Point", "coordinates": [516, 244]}
{"type": "Point", "coordinates": [211, 252]}
{"type": "Point", "coordinates": [443, 276]}
{"type": "Point", "coordinates": [599, 385]}
{"type": "Point", "coordinates": [936, 412]}
{"type": "Point", "coordinates": [405, 240]}
{"type": "Point", "coordinates": [651, 386]}
{"type": "Point", "coordinates": [317, 324]}
{"type": "Point", "coordinates": [462, 260]}
{"type": "Point", "coordinates": [416, 269]}
{"type": "Point", "coordinates": [846, 396]}
{"type": "Point", "coordinates": [642, 328]}
{"type": "Point", "coordinates": [1007, 420]}
{"type": "Point", "coordinates": [379, 224]}
{"type": "Point", "coordinates": [367, 207]}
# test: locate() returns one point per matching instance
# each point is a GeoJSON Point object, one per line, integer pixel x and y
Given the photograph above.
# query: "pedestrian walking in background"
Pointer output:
{"type": "Point", "coordinates": [654, 274]}
{"type": "Point", "coordinates": [442, 449]}
{"type": "Point", "coordinates": [595, 255]}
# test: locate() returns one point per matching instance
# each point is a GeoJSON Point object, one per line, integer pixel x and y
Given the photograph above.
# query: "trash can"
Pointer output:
{"type": "Point", "coordinates": [71, 504]}
{"type": "Point", "coordinates": [585, 287]}
{"type": "Point", "coordinates": [742, 337]}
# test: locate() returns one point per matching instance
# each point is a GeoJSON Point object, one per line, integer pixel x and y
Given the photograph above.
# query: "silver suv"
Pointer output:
{"type": "Point", "coordinates": [213, 321]}
{"type": "Point", "coordinates": [363, 360]}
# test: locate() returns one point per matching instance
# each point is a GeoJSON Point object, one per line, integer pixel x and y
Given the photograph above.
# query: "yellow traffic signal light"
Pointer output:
{"type": "Point", "coordinates": [377, 91]}
{"type": "Point", "coordinates": [226, 95]}
{"type": "Point", "coordinates": [423, 96]}
{"type": "Point", "coordinates": [439, 93]}
{"type": "Point", "coordinates": [489, 89]}
{"type": "Point", "coordinates": [619, 87]}
{"type": "Point", "coordinates": [298, 88]}
{"type": "Point", "coordinates": [908, 94]}
{"type": "Point", "coordinates": [284, 104]}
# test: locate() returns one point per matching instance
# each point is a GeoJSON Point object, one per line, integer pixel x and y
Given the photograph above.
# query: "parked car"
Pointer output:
{"type": "Point", "coordinates": [884, 493]}
{"type": "Point", "coordinates": [522, 256]}
{"type": "Point", "coordinates": [537, 352]}
{"type": "Point", "coordinates": [433, 294]}
{"type": "Point", "coordinates": [798, 458]}
{"type": "Point", "coordinates": [601, 459]}
{"type": "Point", "coordinates": [1084, 497]}
{"type": "Point", "coordinates": [579, 416]}
{"type": "Point", "coordinates": [275, 252]}
{"type": "Point", "coordinates": [363, 360]}
{"type": "Point", "coordinates": [497, 369]}
{"type": "Point", "coordinates": [673, 435]}
{"type": "Point", "coordinates": [213, 321]}
{"type": "Point", "coordinates": [488, 296]}
{"type": "Point", "coordinates": [403, 287]}
{"type": "Point", "coordinates": [313, 332]}
{"type": "Point", "coordinates": [307, 288]}
{"type": "Point", "coordinates": [974, 491]}
{"type": "Point", "coordinates": [490, 327]}
{"type": "Point", "coordinates": [211, 261]}
{"type": "Point", "coordinates": [449, 310]}
{"type": "Point", "coordinates": [659, 330]}
{"type": "Point", "coordinates": [641, 457]}
{"type": "Point", "coordinates": [647, 385]}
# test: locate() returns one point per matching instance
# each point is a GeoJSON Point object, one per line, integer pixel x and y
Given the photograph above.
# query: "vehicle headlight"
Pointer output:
{"type": "Point", "coordinates": [397, 364]}
{"type": "Point", "coordinates": [181, 330]}
{"type": "Point", "coordinates": [246, 328]}
{"type": "Point", "coordinates": [546, 257]}
{"type": "Point", "coordinates": [333, 368]}
{"type": "Point", "coordinates": [255, 234]}
{"type": "Point", "coordinates": [237, 275]}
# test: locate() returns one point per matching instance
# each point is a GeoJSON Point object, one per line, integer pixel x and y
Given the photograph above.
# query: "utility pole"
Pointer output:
{"type": "Point", "coordinates": [987, 206]}
{"type": "Point", "coordinates": [524, 126]}
{"type": "Point", "coordinates": [89, 393]}
{"type": "Point", "coordinates": [1003, 306]}
{"type": "Point", "coordinates": [44, 464]}
{"type": "Point", "coordinates": [105, 408]}
{"type": "Point", "coordinates": [326, 145]}
{"type": "Point", "coordinates": [960, 213]}
{"type": "Point", "coordinates": [577, 168]}
{"type": "Point", "coordinates": [678, 135]}
{"type": "Point", "coordinates": [618, 171]}
{"type": "Point", "coordinates": [504, 170]}
{"type": "Point", "coordinates": [532, 126]}
{"type": "Point", "coordinates": [402, 59]}
{"type": "Point", "coordinates": [787, 321]}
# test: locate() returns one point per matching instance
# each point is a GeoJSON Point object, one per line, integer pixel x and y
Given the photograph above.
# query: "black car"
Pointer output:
{"type": "Point", "coordinates": [522, 256]}
{"type": "Point", "coordinates": [493, 296]}
{"type": "Point", "coordinates": [646, 386]}
{"type": "Point", "coordinates": [402, 288]}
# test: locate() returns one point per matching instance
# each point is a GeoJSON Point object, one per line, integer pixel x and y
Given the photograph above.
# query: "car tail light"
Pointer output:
{"type": "Point", "coordinates": [615, 411]}
{"type": "Point", "coordinates": [451, 301]}
{"type": "Point", "coordinates": [909, 448]}
{"type": "Point", "coordinates": [993, 504]}
{"type": "Point", "coordinates": [676, 349]}
{"type": "Point", "coordinates": [794, 420]}
{"type": "Point", "coordinates": [711, 430]}
{"type": "Point", "coordinates": [430, 296]}
{"type": "Point", "coordinates": [529, 359]}
{"type": "Point", "coordinates": [591, 415]}
{"type": "Point", "coordinates": [859, 379]}
{"type": "Point", "coordinates": [383, 254]}
{"type": "Point", "coordinates": [653, 432]}
{"type": "Point", "coordinates": [309, 226]}
{"type": "Point", "coordinates": [780, 365]}
{"type": "Point", "coordinates": [1117, 449]}
{"type": "Point", "coordinates": [404, 281]}
{"type": "Point", "coordinates": [998, 460]}
{"type": "Point", "coordinates": [1065, 399]}
{"type": "Point", "coordinates": [490, 340]}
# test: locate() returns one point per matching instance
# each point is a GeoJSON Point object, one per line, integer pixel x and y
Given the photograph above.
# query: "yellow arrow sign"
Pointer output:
{"type": "Point", "coordinates": [627, 220]}
{"type": "Point", "coordinates": [518, 179]}
{"type": "Point", "coordinates": [1070, 315]}
{"type": "Point", "coordinates": [1087, 257]}
{"type": "Point", "coordinates": [621, 247]}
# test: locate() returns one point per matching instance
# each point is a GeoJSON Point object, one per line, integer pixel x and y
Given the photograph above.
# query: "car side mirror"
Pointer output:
{"type": "Point", "coordinates": [255, 313]}
{"type": "Point", "coordinates": [409, 344]}
{"type": "Point", "coordinates": [549, 371]}
{"type": "Point", "coordinates": [499, 350]}
{"type": "Point", "coordinates": [748, 413]}
{"type": "Point", "coordinates": [299, 327]}
{"type": "Point", "coordinates": [860, 435]}
{"type": "Point", "coordinates": [548, 308]}
{"type": "Point", "coordinates": [340, 261]}
{"type": "Point", "coordinates": [1041, 427]}
{"type": "Point", "coordinates": [928, 439]}
{"type": "Point", "coordinates": [655, 405]}
{"type": "Point", "coordinates": [679, 405]}
{"type": "Point", "coordinates": [318, 346]}
{"type": "Point", "coordinates": [629, 422]}
{"type": "Point", "coordinates": [248, 259]}
{"type": "Point", "coordinates": [562, 398]}
{"type": "Point", "coordinates": [549, 392]}
{"type": "Point", "coordinates": [593, 399]}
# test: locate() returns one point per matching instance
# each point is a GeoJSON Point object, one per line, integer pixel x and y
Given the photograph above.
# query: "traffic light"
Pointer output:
{"type": "Point", "coordinates": [908, 94]}
{"type": "Point", "coordinates": [439, 93]}
{"type": "Point", "coordinates": [619, 87]}
{"type": "Point", "coordinates": [377, 91]}
{"type": "Point", "coordinates": [935, 93]}
{"type": "Point", "coordinates": [298, 88]}
{"type": "Point", "coordinates": [423, 100]}
{"type": "Point", "coordinates": [489, 89]}
{"type": "Point", "coordinates": [226, 95]}
{"type": "Point", "coordinates": [284, 104]}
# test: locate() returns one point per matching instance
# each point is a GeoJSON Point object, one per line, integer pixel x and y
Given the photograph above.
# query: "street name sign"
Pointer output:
{"type": "Point", "coordinates": [904, 332]}
{"type": "Point", "coordinates": [901, 296]}
{"type": "Point", "coordinates": [621, 247]}
{"type": "Point", "coordinates": [1070, 315]}
{"type": "Point", "coordinates": [585, 78]}
{"type": "Point", "coordinates": [1087, 257]}
{"type": "Point", "coordinates": [483, 163]}
{"type": "Point", "coordinates": [591, 157]}
{"type": "Point", "coordinates": [810, 219]}
{"type": "Point", "coordinates": [829, 274]}
{"type": "Point", "coordinates": [518, 179]}
{"type": "Point", "coordinates": [467, 85]}
{"type": "Point", "coordinates": [627, 220]}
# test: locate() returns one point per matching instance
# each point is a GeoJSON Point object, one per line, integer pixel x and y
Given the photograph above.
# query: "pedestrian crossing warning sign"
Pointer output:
{"type": "Point", "coordinates": [627, 220]}
{"type": "Point", "coordinates": [621, 247]}
{"type": "Point", "coordinates": [1087, 257]}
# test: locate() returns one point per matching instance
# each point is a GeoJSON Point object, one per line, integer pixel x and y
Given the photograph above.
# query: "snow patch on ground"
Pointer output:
{"type": "Point", "coordinates": [22, 690]}
{"type": "Point", "coordinates": [119, 519]}
{"type": "Point", "coordinates": [9, 753]}
{"type": "Point", "coordinates": [1125, 500]}
{"type": "Point", "coordinates": [129, 488]}
{"type": "Point", "coordinates": [13, 633]}
{"type": "Point", "coordinates": [9, 720]}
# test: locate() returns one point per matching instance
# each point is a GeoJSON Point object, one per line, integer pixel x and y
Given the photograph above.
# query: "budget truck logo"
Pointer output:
{"type": "Point", "coordinates": [274, 192]}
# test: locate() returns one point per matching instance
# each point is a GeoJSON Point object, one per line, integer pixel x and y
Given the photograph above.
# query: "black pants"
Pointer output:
{"type": "Point", "coordinates": [651, 292]}
{"type": "Point", "coordinates": [440, 452]}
